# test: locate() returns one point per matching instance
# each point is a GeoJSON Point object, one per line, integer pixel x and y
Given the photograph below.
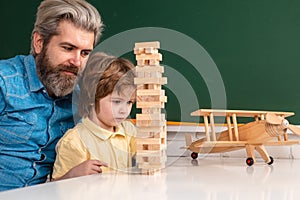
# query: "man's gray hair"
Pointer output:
{"type": "Point", "coordinates": [79, 12]}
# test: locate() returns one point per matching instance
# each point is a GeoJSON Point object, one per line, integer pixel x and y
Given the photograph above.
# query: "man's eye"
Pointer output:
{"type": "Point", "coordinates": [68, 48]}
{"type": "Point", "coordinates": [85, 53]}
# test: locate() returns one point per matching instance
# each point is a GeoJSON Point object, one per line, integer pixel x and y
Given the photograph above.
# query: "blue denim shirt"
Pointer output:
{"type": "Point", "coordinates": [31, 123]}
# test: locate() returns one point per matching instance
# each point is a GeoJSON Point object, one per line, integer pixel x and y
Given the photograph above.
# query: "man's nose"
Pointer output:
{"type": "Point", "coordinates": [76, 59]}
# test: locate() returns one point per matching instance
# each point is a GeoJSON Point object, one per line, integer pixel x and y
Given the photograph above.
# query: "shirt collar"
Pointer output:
{"type": "Point", "coordinates": [100, 132]}
{"type": "Point", "coordinates": [34, 82]}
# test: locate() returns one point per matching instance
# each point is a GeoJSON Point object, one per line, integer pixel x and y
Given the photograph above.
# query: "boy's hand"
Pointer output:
{"type": "Point", "coordinates": [85, 168]}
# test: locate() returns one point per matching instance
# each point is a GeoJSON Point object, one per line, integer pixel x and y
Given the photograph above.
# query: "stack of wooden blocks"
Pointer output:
{"type": "Point", "coordinates": [151, 123]}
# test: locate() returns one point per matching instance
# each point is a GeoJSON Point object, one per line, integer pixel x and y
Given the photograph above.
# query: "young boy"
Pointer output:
{"type": "Point", "coordinates": [107, 92]}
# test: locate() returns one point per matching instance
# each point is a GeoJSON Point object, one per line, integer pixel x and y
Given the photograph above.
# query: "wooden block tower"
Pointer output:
{"type": "Point", "coordinates": [151, 123]}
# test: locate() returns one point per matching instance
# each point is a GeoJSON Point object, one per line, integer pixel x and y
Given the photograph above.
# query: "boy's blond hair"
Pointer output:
{"type": "Point", "coordinates": [103, 75]}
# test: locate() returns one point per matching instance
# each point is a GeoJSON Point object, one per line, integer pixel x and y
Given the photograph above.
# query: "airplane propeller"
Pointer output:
{"type": "Point", "coordinates": [278, 120]}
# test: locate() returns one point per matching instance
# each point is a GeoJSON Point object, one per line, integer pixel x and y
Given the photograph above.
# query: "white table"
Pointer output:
{"type": "Point", "coordinates": [208, 178]}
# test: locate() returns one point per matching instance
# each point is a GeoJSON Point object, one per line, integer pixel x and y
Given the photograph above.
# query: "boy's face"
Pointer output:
{"type": "Point", "coordinates": [114, 109]}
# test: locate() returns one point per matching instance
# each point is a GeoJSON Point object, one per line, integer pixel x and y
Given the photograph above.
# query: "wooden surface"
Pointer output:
{"type": "Point", "coordinates": [239, 113]}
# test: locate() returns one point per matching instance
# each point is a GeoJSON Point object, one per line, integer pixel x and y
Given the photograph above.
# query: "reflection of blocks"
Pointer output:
{"type": "Point", "coordinates": [151, 123]}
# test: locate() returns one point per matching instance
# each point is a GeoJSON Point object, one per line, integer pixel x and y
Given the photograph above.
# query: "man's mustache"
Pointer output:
{"type": "Point", "coordinates": [71, 68]}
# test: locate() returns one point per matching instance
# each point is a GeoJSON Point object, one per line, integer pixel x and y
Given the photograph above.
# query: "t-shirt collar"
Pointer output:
{"type": "Point", "coordinates": [100, 132]}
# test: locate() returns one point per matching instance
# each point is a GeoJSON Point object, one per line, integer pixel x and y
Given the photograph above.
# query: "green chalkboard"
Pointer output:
{"type": "Point", "coordinates": [231, 54]}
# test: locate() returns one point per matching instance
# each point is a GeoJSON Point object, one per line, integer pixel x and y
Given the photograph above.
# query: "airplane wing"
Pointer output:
{"type": "Point", "coordinates": [238, 113]}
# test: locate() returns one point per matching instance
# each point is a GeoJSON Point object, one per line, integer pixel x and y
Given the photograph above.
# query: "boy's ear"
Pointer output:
{"type": "Point", "coordinates": [37, 42]}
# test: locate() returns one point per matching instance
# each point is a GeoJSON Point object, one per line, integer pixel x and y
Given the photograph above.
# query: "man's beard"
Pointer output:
{"type": "Point", "coordinates": [53, 77]}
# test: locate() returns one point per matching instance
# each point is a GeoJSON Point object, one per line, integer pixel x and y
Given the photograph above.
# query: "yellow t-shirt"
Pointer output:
{"type": "Point", "coordinates": [88, 141]}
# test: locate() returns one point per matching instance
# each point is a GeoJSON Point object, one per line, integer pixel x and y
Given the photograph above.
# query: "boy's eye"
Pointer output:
{"type": "Point", "coordinates": [130, 102]}
{"type": "Point", "coordinates": [116, 101]}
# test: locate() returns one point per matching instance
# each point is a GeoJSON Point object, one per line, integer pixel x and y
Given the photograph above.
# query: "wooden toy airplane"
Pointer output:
{"type": "Point", "coordinates": [267, 128]}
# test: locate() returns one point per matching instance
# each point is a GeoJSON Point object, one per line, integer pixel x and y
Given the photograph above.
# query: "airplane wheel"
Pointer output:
{"type": "Point", "coordinates": [194, 155]}
{"type": "Point", "coordinates": [249, 161]}
{"type": "Point", "coordinates": [271, 162]}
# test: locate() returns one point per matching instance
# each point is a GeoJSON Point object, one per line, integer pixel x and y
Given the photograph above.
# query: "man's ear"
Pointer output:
{"type": "Point", "coordinates": [37, 42]}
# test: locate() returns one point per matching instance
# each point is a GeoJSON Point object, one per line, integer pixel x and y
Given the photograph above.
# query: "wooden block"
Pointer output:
{"type": "Point", "coordinates": [148, 141]}
{"type": "Point", "coordinates": [154, 44]}
{"type": "Point", "coordinates": [153, 62]}
{"type": "Point", "coordinates": [140, 150]}
{"type": "Point", "coordinates": [151, 166]}
{"type": "Point", "coordinates": [147, 50]}
{"type": "Point", "coordinates": [155, 56]}
{"type": "Point", "coordinates": [155, 74]}
{"type": "Point", "coordinates": [151, 98]}
{"type": "Point", "coordinates": [149, 68]}
{"type": "Point", "coordinates": [161, 81]}
{"type": "Point", "coordinates": [151, 129]}
{"type": "Point", "coordinates": [147, 123]}
{"type": "Point", "coordinates": [161, 153]}
{"type": "Point", "coordinates": [151, 110]}
{"type": "Point", "coordinates": [150, 159]}
{"type": "Point", "coordinates": [149, 86]}
{"type": "Point", "coordinates": [140, 74]}
{"type": "Point", "coordinates": [144, 62]}
{"type": "Point", "coordinates": [151, 50]}
{"type": "Point", "coordinates": [146, 92]}
{"type": "Point", "coordinates": [145, 74]}
{"type": "Point", "coordinates": [139, 50]}
{"type": "Point", "coordinates": [154, 116]}
{"type": "Point", "coordinates": [147, 105]}
{"type": "Point", "coordinates": [151, 134]}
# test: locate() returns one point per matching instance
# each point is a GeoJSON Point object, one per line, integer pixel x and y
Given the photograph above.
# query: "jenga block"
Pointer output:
{"type": "Point", "coordinates": [154, 104]}
{"type": "Point", "coordinates": [153, 62]}
{"type": "Point", "coordinates": [149, 86]}
{"type": "Point", "coordinates": [147, 50]}
{"type": "Point", "coordinates": [146, 123]}
{"type": "Point", "coordinates": [140, 74]}
{"type": "Point", "coordinates": [155, 74]}
{"type": "Point", "coordinates": [155, 56]}
{"type": "Point", "coordinates": [150, 159]}
{"type": "Point", "coordinates": [139, 50]}
{"type": "Point", "coordinates": [151, 134]}
{"type": "Point", "coordinates": [151, 50]}
{"type": "Point", "coordinates": [161, 81]}
{"type": "Point", "coordinates": [148, 68]}
{"type": "Point", "coordinates": [151, 110]}
{"type": "Point", "coordinates": [149, 147]}
{"type": "Point", "coordinates": [151, 98]}
{"type": "Point", "coordinates": [149, 74]}
{"type": "Point", "coordinates": [154, 116]}
{"type": "Point", "coordinates": [155, 44]}
{"type": "Point", "coordinates": [148, 141]}
{"type": "Point", "coordinates": [150, 129]}
{"type": "Point", "coordinates": [151, 165]}
{"type": "Point", "coordinates": [161, 153]}
{"type": "Point", "coordinates": [143, 92]}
